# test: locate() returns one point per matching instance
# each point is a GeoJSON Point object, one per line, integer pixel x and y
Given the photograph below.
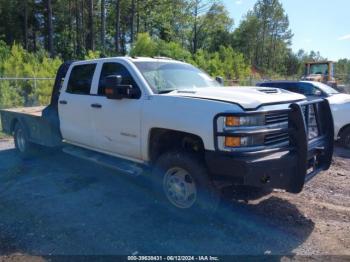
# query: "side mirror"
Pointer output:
{"type": "Point", "coordinates": [115, 90]}
{"type": "Point", "coordinates": [318, 93]}
{"type": "Point", "coordinates": [220, 80]}
{"type": "Point", "coordinates": [114, 80]}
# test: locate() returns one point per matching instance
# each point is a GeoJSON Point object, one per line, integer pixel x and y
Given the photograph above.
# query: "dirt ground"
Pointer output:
{"type": "Point", "coordinates": [57, 204]}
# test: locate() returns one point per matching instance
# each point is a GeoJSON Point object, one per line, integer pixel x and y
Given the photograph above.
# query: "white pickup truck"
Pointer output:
{"type": "Point", "coordinates": [172, 118]}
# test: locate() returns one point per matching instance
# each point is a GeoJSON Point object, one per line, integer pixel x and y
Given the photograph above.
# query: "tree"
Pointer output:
{"type": "Point", "coordinates": [83, 26]}
{"type": "Point", "coordinates": [132, 21]}
{"type": "Point", "coordinates": [216, 28]}
{"type": "Point", "coordinates": [246, 37]}
{"type": "Point", "coordinates": [103, 24]}
{"type": "Point", "coordinates": [117, 26]}
{"type": "Point", "coordinates": [90, 37]}
{"type": "Point", "coordinates": [197, 7]}
{"type": "Point", "coordinates": [49, 28]}
{"type": "Point", "coordinates": [78, 28]}
{"type": "Point", "coordinates": [264, 36]}
{"type": "Point", "coordinates": [144, 46]}
{"type": "Point", "coordinates": [18, 62]}
{"type": "Point", "coordinates": [25, 23]}
{"type": "Point", "coordinates": [198, 31]}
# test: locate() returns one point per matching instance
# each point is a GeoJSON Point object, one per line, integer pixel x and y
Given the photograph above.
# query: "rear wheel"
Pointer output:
{"type": "Point", "coordinates": [345, 138]}
{"type": "Point", "coordinates": [22, 144]}
{"type": "Point", "coordinates": [183, 184]}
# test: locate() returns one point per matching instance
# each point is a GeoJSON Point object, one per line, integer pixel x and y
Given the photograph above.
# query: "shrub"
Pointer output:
{"type": "Point", "coordinates": [17, 62]}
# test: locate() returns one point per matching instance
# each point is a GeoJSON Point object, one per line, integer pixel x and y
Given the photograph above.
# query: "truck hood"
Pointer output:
{"type": "Point", "coordinates": [339, 98]}
{"type": "Point", "coordinates": [246, 97]}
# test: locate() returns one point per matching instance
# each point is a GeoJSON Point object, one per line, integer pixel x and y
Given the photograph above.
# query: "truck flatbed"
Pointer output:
{"type": "Point", "coordinates": [40, 126]}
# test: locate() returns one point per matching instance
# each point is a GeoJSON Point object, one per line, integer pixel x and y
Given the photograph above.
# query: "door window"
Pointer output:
{"type": "Point", "coordinates": [109, 69]}
{"type": "Point", "coordinates": [80, 79]}
{"type": "Point", "coordinates": [292, 87]}
{"type": "Point", "coordinates": [308, 89]}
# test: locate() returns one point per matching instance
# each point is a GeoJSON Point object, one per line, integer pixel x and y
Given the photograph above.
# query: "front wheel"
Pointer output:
{"type": "Point", "coordinates": [183, 184]}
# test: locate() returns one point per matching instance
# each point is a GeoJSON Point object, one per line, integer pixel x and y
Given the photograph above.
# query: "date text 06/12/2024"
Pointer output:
{"type": "Point", "coordinates": [173, 258]}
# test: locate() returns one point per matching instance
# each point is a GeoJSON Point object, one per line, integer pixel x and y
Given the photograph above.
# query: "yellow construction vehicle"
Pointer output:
{"type": "Point", "coordinates": [320, 72]}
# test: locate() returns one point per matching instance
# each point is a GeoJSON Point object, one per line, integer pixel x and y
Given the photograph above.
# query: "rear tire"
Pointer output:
{"type": "Point", "coordinates": [183, 185]}
{"type": "Point", "coordinates": [24, 147]}
{"type": "Point", "coordinates": [345, 138]}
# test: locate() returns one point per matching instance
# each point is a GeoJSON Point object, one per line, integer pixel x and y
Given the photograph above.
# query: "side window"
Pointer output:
{"type": "Point", "coordinates": [307, 89]}
{"type": "Point", "coordinates": [292, 87]}
{"type": "Point", "coordinates": [116, 69]}
{"type": "Point", "coordinates": [80, 79]}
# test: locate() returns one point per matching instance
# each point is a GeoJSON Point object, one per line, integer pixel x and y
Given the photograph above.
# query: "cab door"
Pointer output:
{"type": "Point", "coordinates": [74, 105]}
{"type": "Point", "coordinates": [117, 123]}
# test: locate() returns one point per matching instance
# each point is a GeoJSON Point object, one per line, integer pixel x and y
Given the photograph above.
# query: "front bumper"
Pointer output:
{"type": "Point", "coordinates": [288, 167]}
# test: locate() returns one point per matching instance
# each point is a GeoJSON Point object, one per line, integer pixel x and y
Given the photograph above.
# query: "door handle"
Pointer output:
{"type": "Point", "coordinates": [96, 105]}
{"type": "Point", "coordinates": [63, 102]}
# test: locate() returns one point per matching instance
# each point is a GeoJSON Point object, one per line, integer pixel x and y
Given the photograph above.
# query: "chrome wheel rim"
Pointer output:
{"type": "Point", "coordinates": [179, 187]}
{"type": "Point", "coordinates": [21, 141]}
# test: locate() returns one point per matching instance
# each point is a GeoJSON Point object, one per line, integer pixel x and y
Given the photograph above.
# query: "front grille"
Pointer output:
{"type": "Point", "coordinates": [278, 138]}
{"type": "Point", "coordinates": [309, 113]}
{"type": "Point", "coordinates": [276, 118]}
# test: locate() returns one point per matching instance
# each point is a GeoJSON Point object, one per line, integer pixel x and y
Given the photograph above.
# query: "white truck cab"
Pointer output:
{"type": "Point", "coordinates": [191, 131]}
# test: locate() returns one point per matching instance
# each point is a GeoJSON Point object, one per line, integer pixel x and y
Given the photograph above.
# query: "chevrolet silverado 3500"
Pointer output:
{"type": "Point", "coordinates": [168, 116]}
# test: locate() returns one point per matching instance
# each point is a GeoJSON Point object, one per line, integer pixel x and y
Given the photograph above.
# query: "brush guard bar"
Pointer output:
{"type": "Point", "coordinates": [289, 166]}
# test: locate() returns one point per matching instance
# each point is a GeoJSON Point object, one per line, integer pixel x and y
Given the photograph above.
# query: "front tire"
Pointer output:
{"type": "Point", "coordinates": [183, 184]}
{"type": "Point", "coordinates": [345, 138]}
{"type": "Point", "coordinates": [24, 147]}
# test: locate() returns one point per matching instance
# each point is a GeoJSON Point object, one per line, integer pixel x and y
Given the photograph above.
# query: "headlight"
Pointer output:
{"type": "Point", "coordinates": [244, 141]}
{"type": "Point", "coordinates": [243, 121]}
{"type": "Point", "coordinates": [248, 131]}
{"type": "Point", "coordinates": [232, 141]}
{"type": "Point", "coordinates": [235, 121]}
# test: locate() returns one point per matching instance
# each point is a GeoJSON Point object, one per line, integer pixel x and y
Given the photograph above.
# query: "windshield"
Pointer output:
{"type": "Point", "coordinates": [321, 69]}
{"type": "Point", "coordinates": [164, 77]}
{"type": "Point", "coordinates": [325, 88]}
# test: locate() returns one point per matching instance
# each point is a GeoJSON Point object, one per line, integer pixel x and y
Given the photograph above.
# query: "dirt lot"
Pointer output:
{"type": "Point", "coordinates": [57, 204]}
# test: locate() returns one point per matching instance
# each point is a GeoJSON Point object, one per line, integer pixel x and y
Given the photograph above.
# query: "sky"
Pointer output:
{"type": "Point", "coordinates": [319, 25]}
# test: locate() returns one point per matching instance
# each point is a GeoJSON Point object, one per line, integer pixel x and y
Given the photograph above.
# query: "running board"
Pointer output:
{"type": "Point", "coordinates": [115, 163]}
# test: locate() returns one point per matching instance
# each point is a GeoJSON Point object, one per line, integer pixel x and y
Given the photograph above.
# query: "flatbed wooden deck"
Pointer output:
{"type": "Point", "coordinates": [33, 111]}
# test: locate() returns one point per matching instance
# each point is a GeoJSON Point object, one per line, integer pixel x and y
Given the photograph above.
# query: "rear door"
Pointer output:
{"type": "Point", "coordinates": [74, 105]}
